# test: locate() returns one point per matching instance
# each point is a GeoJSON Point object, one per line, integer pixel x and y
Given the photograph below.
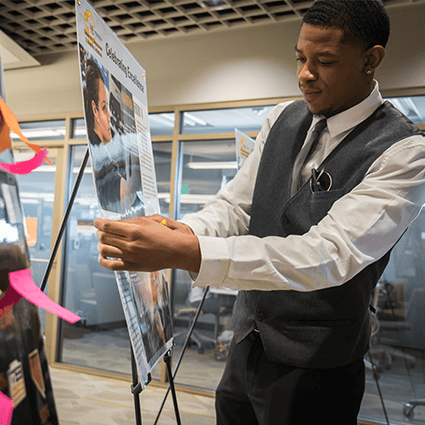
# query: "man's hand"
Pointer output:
{"type": "Point", "coordinates": [144, 244]}
{"type": "Point", "coordinates": [171, 224]}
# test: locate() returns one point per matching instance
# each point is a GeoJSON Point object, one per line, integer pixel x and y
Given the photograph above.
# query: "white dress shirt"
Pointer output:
{"type": "Point", "coordinates": [358, 230]}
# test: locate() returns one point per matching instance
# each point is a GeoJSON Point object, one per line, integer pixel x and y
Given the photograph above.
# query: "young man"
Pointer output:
{"type": "Point", "coordinates": [304, 230]}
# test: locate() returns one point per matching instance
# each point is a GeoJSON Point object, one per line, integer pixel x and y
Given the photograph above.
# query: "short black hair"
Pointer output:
{"type": "Point", "coordinates": [361, 20]}
{"type": "Point", "coordinates": [91, 92]}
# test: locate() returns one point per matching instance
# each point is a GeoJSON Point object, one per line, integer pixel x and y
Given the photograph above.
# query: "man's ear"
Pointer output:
{"type": "Point", "coordinates": [94, 109]}
{"type": "Point", "coordinates": [374, 56]}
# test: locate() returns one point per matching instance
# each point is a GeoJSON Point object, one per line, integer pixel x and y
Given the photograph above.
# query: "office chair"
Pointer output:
{"type": "Point", "coordinates": [216, 304]}
{"type": "Point", "coordinates": [189, 313]}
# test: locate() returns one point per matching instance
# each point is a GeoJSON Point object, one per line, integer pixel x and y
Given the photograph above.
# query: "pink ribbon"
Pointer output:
{"type": "Point", "coordinates": [22, 285]}
{"type": "Point", "coordinates": [25, 167]}
{"type": "Point", "coordinates": [6, 409]}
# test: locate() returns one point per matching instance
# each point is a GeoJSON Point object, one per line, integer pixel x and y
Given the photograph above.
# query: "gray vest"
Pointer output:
{"type": "Point", "coordinates": [328, 327]}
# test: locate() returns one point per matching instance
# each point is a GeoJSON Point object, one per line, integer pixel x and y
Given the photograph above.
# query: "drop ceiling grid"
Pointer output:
{"type": "Point", "coordinates": [47, 26]}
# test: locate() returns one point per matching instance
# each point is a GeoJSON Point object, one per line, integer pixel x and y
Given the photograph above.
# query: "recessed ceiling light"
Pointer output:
{"type": "Point", "coordinates": [214, 4]}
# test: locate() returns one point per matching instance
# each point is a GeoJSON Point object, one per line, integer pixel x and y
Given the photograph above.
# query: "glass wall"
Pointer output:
{"type": "Point", "coordinates": [224, 121]}
{"type": "Point", "coordinates": [37, 193]}
{"type": "Point", "coordinates": [205, 166]}
{"type": "Point", "coordinates": [78, 129]}
{"type": "Point", "coordinates": [411, 106]}
{"type": "Point", "coordinates": [42, 130]}
{"type": "Point", "coordinates": [161, 124]}
{"type": "Point", "coordinates": [162, 155]}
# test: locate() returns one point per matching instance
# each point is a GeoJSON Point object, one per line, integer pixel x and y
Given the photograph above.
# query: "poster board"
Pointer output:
{"type": "Point", "coordinates": [116, 114]}
{"type": "Point", "coordinates": [244, 146]}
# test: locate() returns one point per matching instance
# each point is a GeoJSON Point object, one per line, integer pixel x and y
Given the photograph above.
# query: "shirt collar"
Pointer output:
{"type": "Point", "coordinates": [348, 119]}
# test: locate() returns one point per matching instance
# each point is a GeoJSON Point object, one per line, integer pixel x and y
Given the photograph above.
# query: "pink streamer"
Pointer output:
{"type": "Point", "coordinates": [22, 285]}
{"type": "Point", "coordinates": [25, 167]}
{"type": "Point", "coordinates": [6, 409]}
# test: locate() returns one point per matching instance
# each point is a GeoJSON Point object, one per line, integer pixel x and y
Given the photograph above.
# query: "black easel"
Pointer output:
{"type": "Point", "coordinates": [185, 345]}
{"type": "Point", "coordinates": [136, 387]}
{"type": "Point", "coordinates": [167, 359]}
{"type": "Point", "coordinates": [65, 219]}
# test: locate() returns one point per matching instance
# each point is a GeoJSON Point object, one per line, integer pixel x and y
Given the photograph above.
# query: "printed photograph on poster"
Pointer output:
{"type": "Point", "coordinates": [152, 307]}
{"type": "Point", "coordinates": [116, 115]}
{"type": "Point", "coordinates": [111, 131]}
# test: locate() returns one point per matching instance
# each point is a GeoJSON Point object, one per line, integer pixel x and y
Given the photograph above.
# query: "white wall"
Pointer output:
{"type": "Point", "coordinates": [249, 63]}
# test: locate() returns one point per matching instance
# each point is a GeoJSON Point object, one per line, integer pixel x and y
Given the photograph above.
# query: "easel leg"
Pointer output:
{"type": "Point", "coordinates": [167, 359]}
{"type": "Point", "coordinates": [186, 343]}
{"type": "Point", "coordinates": [136, 388]}
{"type": "Point", "coordinates": [375, 376]}
{"type": "Point", "coordinates": [64, 221]}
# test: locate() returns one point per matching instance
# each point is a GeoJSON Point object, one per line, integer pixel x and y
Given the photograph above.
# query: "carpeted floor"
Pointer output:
{"type": "Point", "coordinates": [90, 400]}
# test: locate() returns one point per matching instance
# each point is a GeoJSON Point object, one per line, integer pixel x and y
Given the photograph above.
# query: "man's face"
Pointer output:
{"type": "Point", "coordinates": [102, 125]}
{"type": "Point", "coordinates": [331, 74]}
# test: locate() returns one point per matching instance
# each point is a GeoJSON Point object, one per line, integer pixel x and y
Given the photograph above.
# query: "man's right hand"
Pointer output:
{"type": "Point", "coordinates": [171, 224]}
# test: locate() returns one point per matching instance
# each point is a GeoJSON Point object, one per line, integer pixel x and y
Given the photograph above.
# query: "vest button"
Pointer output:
{"type": "Point", "coordinates": [260, 316]}
{"type": "Point", "coordinates": [284, 220]}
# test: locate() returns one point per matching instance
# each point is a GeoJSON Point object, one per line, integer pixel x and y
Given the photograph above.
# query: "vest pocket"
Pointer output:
{"type": "Point", "coordinates": [321, 203]}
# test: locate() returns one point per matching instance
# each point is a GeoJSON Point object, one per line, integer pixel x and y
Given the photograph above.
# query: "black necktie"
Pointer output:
{"type": "Point", "coordinates": [308, 150]}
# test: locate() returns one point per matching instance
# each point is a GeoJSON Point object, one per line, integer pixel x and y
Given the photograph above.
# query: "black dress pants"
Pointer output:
{"type": "Point", "coordinates": [255, 391]}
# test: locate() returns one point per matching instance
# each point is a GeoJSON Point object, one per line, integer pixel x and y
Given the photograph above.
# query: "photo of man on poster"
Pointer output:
{"type": "Point", "coordinates": [113, 151]}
